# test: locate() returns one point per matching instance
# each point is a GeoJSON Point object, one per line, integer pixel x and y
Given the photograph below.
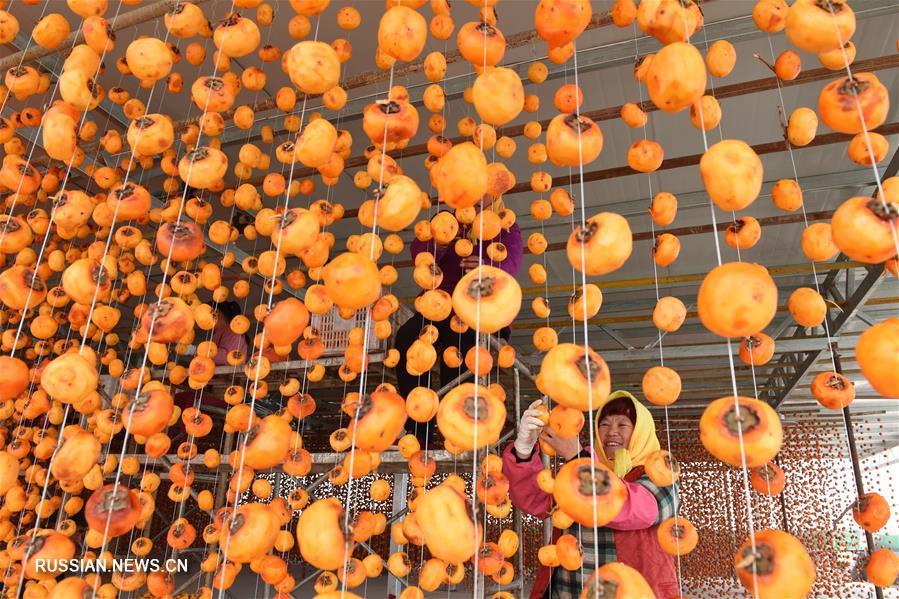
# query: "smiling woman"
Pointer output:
{"type": "Point", "coordinates": [616, 426]}
{"type": "Point", "coordinates": [626, 441]}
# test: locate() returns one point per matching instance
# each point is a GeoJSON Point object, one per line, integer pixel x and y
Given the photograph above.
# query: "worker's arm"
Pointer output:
{"type": "Point", "coordinates": [524, 492]}
{"type": "Point", "coordinates": [647, 504]}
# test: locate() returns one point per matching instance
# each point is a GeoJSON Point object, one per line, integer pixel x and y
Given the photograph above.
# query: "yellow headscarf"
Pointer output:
{"type": "Point", "coordinates": [643, 440]}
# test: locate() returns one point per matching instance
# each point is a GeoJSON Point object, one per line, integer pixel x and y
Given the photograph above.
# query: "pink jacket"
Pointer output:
{"type": "Point", "coordinates": [636, 542]}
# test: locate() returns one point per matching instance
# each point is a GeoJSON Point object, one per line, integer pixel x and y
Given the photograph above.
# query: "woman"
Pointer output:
{"type": "Point", "coordinates": [224, 338]}
{"type": "Point", "coordinates": [226, 341]}
{"type": "Point", "coordinates": [626, 433]}
{"type": "Point", "coordinates": [453, 267]}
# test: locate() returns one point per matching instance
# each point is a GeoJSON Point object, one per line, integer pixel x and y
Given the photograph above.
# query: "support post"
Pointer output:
{"type": "Point", "coordinates": [548, 523]}
{"type": "Point", "coordinates": [400, 482]}
{"type": "Point", "coordinates": [519, 365]}
{"type": "Point", "coordinates": [793, 374]}
{"type": "Point", "coordinates": [221, 487]}
{"type": "Point", "coordinates": [308, 579]}
{"type": "Point", "coordinates": [783, 509]}
{"type": "Point", "coordinates": [856, 467]}
{"type": "Point", "coordinates": [783, 505]}
{"type": "Point", "coordinates": [516, 513]}
{"type": "Point", "coordinates": [181, 587]}
{"type": "Point", "coordinates": [454, 383]}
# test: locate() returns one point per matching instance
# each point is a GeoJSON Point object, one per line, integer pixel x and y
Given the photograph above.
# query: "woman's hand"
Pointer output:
{"type": "Point", "coordinates": [566, 447]}
{"type": "Point", "coordinates": [470, 262]}
{"type": "Point", "coordinates": [529, 429]}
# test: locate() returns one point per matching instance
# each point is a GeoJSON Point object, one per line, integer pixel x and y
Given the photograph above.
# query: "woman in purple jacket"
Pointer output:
{"type": "Point", "coordinates": [453, 267]}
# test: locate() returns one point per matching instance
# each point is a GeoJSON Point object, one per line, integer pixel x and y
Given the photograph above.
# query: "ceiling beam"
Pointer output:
{"type": "Point", "coordinates": [699, 200]}
{"type": "Point", "coordinates": [781, 219]}
{"type": "Point", "coordinates": [701, 350]}
{"type": "Point", "coordinates": [239, 254]}
{"type": "Point", "coordinates": [112, 111]}
{"type": "Point", "coordinates": [35, 139]}
{"type": "Point", "coordinates": [646, 317]}
{"type": "Point", "coordinates": [772, 147]}
{"type": "Point", "coordinates": [516, 40]}
{"type": "Point", "coordinates": [589, 59]}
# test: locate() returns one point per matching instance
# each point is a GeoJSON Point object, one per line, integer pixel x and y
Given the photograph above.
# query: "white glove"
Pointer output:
{"type": "Point", "coordinates": [529, 429]}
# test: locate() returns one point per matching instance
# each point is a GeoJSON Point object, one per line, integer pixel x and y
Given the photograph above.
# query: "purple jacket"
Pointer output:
{"type": "Point", "coordinates": [449, 261]}
{"type": "Point", "coordinates": [226, 340]}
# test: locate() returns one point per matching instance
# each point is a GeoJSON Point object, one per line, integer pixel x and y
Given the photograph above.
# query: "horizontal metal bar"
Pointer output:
{"type": "Point", "coordinates": [706, 350]}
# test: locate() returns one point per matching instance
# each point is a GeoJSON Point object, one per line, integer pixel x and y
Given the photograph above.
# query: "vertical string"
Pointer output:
{"type": "Point", "coordinates": [587, 349]}
{"type": "Point", "coordinates": [730, 359]}
{"type": "Point", "coordinates": [198, 401]}
{"type": "Point", "coordinates": [878, 182]}
{"type": "Point", "coordinates": [655, 280]}
{"type": "Point", "coordinates": [261, 344]}
{"type": "Point", "coordinates": [477, 335]}
{"type": "Point", "coordinates": [363, 374]}
{"type": "Point", "coordinates": [34, 144]}
{"type": "Point", "coordinates": [720, 127]}
{"type": "Point", "coordinates": [59, 444]}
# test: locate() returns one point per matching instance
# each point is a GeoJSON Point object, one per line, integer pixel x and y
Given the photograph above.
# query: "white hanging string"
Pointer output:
{"type": "Point", "coordinates": [198, 401]}
{"type": "Point", "coordinates": [730, 359]}
{"type": "Point", "coordinates": [59, 444]}
{"type": "Point", "coordinates": [477, 342]}
{"type": "Point", "coordinates": [587, 364]}
{"type": "Point", "coordinates": [46, 424]}
{"type": "Point", "coordinates": [655, 280]}
{"type": "Point", "coordinates": [261, 344]}
{"type": "Point", "coordinates": [720, 127]}
{"type": "Point", "coordinates": [877, 179]}
{"type": "Point", "coordinates": [153, 317]}
{"type": "Point", "coordinates": [367, 326]}
{"type": "Point", "coordinates": [40, 125]}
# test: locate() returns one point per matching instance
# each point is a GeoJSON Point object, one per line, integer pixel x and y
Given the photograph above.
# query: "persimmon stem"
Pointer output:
{"type": "Point", "coordinates": [765, 62]}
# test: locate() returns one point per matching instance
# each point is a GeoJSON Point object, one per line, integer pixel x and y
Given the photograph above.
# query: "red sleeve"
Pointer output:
{"type": "Point", "coordinates": [523, 489]}
{"type": "Point", "coordinates": [641, 510]}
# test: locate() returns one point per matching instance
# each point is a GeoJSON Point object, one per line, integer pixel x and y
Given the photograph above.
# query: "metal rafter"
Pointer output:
{"type": "Point", "coordinates": [700, 350]}
{"type": "Point", "coordinates": [792, 369]}
{"type": "Point", "coordinates": [239, 254]}
{"type": "Point", "coordinates": [115, 113]}
{"type": "Point", "coordinates": [676, 162]}
{"type": "Point", "coordinates": [794, 366]}
{"type": "Point", "coordinates": [598, 57]}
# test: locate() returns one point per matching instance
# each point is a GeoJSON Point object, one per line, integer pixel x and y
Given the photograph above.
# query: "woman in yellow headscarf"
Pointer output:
{"type": "Point", "coordinates": [626, 437]}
